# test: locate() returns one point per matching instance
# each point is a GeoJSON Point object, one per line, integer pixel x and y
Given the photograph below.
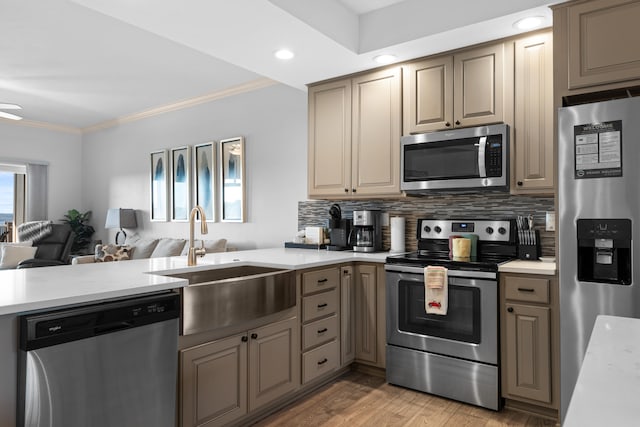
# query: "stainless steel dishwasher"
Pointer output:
{"type": "Point", "coordinates": [103, 365]}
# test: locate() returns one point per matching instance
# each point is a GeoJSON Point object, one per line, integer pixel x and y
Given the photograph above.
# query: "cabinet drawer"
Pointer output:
{"type": "Point", "coordinates": [319, 332]}
{"type": "Point", "coordinates": [527, 289]}
{"type": "Point", "coordinates": [320, 305]}
{"type": "Point", "coordinates": [320, 280]}
{"type": "Point", "coordinates": [320, 361]}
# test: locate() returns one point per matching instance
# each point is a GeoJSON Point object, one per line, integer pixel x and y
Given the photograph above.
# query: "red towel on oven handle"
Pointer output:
{"type": "Point", "coordinates": [436, 295]}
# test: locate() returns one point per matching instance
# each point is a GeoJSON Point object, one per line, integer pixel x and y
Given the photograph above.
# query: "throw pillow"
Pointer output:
{"type": "Point", "coordinates": [143, 247]}
{"type": "Point", "coordinates": [106, 253]}
{"type": "Point", "coordinates": [12, 255]}
{"type": "Point", "coordinates": [168, 247]}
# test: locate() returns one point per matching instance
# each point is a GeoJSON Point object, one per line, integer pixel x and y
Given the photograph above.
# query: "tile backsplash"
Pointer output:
{"type": "Point", "coordinates": [438, 206]}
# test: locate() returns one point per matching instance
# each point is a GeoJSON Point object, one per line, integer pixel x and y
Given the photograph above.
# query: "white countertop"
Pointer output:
{"type": "Point", "coordinates": [47, 287]}
{"type": "Point", "coordinates": [528, 267]}
{"type": "Point", "coordinates": [608, 385]}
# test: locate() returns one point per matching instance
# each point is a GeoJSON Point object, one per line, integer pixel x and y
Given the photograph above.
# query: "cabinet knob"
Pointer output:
{"type": "Point", "coordinates": [353, 190]}
{"type": "Point", "coordinates": [346, 190]}
{"type": "Point", "coordinates": [447, 124]}
{"type": "Point", "coordinates": [457, 122]}
{"type": "Point", "coordinates": [510, 309]}
{"type": "Point", "coordinates": [520, 183]}
{"type": "Point", "coordinates": [254, 336]}
{"type": "Point", "coordinates": [244, 338]}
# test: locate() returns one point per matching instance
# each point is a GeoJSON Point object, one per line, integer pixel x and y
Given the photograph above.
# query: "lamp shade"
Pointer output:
{"type": "Point", "coordinates": [121, 218]}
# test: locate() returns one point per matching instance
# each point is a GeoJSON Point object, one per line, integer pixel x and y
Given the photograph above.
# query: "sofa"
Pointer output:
{"type": "Point", "coordinates": [139, 248]}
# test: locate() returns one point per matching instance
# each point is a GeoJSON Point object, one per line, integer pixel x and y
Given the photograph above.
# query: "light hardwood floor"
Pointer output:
{"type": "Point", "coordinates": [358, 399]}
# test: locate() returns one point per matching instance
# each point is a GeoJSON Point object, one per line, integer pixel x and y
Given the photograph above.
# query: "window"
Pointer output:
{"type": "Point", "coordinates": [12, 199]}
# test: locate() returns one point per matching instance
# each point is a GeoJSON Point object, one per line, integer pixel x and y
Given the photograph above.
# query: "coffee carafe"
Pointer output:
{"type": "Point", "coordinates": [368, 231]}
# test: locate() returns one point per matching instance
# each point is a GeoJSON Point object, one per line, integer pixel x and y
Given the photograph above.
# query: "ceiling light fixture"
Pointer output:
{"type": "Point", "coordinates": [529, 23]}
{"type": "Point", "coordinates": [385, 58]}
{"type": "Point", "coordinates": [284, 54]}
{"type": "Point", "coordinates": [9, 116]}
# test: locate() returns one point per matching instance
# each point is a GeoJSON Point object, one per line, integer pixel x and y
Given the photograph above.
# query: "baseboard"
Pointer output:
{"type": "Point", "coordinates": [369, 370]}
{"type": "Point", "coordinates": [538, 411]}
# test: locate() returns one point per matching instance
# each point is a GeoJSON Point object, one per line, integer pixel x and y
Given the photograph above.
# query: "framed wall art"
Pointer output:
{"type": "Point", "coordinates": [180, 183]}
{"type": "Point", "coordinates": [159, 168]}
{"type": "Point", "coordinates": [232, 179]}
{"type": "Point", "coordinates": [204, 168]}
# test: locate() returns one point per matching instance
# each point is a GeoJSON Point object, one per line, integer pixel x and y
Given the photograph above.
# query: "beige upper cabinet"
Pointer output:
{"type": "Point", "coordinates": [596, 45]}
{"type": "Point", "coordinates": [354, 136]}
{"type": "Point", "coordinates": [330, 139]}
{"type": "Point", "coordinates": [466, 89]}
{"type": "Point", "coordinates": [532, 147]}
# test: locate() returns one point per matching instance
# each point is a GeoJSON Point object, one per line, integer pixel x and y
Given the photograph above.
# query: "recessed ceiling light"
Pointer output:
{"type": "Point", "coordinates": [385, 58]}
{"type": "Point", "coordinates": [529, 23]}
{"type": "Point", "coordinates": [284, 54]}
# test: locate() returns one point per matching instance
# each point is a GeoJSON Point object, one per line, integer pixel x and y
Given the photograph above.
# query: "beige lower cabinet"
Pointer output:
{"type": "Point", "coordinates": [529, 332]}
{"type": "Point", "coordinates": [223, 380]}
{"type": "Point", "coordinates": [347, 316]}
{"type": "Point", "coordinates": [370, 314]}
{"type": "Point", "coordinates": [321, 326]}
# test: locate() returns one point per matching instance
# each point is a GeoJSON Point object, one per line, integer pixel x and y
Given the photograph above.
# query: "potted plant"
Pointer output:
{"type": "Point", "coordinates": [83, 231]}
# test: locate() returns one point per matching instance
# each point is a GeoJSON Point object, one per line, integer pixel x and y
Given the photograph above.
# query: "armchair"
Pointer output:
{"type": "Point", "coordinates": [53, 249]}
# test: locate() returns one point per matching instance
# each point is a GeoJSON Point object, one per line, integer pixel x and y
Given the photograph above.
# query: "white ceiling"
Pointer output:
{"type": "Point", "coordinates": [80, 63]}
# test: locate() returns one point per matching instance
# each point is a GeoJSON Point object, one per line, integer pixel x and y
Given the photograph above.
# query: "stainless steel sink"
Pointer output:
{"type": "Point", "coordinates": [222, 297]}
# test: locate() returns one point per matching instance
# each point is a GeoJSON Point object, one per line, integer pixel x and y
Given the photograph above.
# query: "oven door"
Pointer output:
{"type": "Point", "coordinates": [469, 330]}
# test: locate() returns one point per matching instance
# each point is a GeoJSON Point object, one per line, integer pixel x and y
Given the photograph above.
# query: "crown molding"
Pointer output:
{"type": "Point", "coordinates": [232, 91]}
{"type": "Point", "coordinates": [43, 125]}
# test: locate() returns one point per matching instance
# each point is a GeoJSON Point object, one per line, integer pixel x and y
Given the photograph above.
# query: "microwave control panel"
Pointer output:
{"type": "Point", "coordinates": [493, 155]}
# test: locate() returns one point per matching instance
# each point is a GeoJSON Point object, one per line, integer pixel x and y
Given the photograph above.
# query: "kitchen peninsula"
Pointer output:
{"type": "Point", "coordinates": [28, 290]}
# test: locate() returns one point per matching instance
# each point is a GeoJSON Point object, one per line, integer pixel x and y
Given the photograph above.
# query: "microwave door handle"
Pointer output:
{"type": "Point", "coordinates": [482, 145]}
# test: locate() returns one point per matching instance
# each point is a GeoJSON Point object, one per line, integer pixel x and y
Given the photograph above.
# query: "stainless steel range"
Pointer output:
{"type": "Point", "coordinates": [453, 355]}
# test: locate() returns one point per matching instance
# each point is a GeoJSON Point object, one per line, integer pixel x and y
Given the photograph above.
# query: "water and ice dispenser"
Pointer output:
{"type": "Point", "coordinates": [604, 251]}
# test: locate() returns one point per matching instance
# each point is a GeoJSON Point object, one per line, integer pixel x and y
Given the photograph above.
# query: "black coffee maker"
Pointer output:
{"type": "Point", "coordinates": [340, 230]}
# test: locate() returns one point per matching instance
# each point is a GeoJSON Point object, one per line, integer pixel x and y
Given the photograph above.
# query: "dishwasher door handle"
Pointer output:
{"type": "Point", "coordinates": [112, 327]}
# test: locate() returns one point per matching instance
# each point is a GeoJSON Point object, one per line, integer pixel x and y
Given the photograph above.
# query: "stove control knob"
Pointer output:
{"type": "Point", "coordinates": [427, 229]}
{"type": "Point", "coordinates": [502, 230]}
{"type": "Point", "coordinates": [438, 229]}
{"type": "Point", "coordinates": [489, 230]}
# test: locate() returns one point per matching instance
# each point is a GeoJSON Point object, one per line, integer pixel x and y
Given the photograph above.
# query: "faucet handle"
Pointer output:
{"type": "Point", "coordinates": [201, 251]}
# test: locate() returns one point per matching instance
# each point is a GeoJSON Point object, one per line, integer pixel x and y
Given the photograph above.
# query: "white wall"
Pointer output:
{"type": "Point", "coordinates": [61, 150]}
{"type": "Point", "coordinates": [273, 121]}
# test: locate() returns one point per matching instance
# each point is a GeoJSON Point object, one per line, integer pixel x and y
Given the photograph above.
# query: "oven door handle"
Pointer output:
{"type": "Point", "coordinates": [450, 273]}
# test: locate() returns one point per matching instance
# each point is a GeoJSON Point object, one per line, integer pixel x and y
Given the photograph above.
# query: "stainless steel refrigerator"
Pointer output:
{"type": "Point", "coordinates": [599, 217]}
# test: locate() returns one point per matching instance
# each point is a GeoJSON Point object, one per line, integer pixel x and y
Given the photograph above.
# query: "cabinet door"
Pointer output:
{"type": "Point", "coordinates": [528, 357]}
{"type": "Point", "coordinates": [603, 42]}
{"type": "Point", "coordinates": [376, 133]}
{"type": "Point", "coordinates": [478, 86]}
{"type": "Point", "coordinates": [330, 139]}
{"type": "Point", "coordinates": [366, 313]}
{"type": "Point", "coordinates": [274, 362]}
{"type": "Point", "coordinates": [427, 95]}
{"type": "Point", "coordinates": [213, 386]}
{"type": "Point", "coordinates": [347, 316]}
{"type": "Point", "coordinates": [533, 142]}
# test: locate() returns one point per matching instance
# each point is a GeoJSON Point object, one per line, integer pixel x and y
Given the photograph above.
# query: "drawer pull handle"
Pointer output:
{"type": "Point", "coordinates": [322, 331]}
{"type": "Point", "coordinates": [322, 281]}
{"type": "Point", "coordinates": [323, 305]}
{"type": "Point", "coordinates": [323, 361]}
{"type": "Point", "coordinates": [526, 290]}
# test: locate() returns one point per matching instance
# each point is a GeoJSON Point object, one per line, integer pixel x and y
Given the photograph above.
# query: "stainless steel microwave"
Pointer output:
{"type": "Point", "coordinates": [465, 158]}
